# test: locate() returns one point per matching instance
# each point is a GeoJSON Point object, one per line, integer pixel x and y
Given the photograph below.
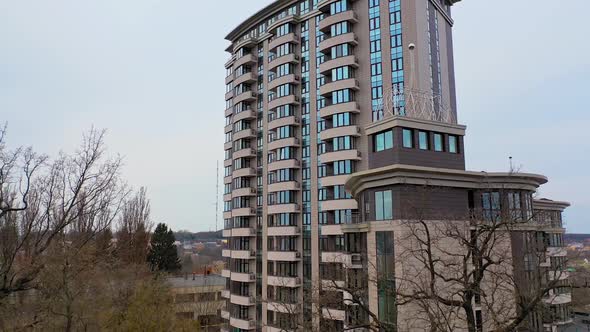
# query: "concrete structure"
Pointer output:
{"type": "Point", "coordinates": [322, 94]}
{"type": "Point", "coordinates": [200, 298]}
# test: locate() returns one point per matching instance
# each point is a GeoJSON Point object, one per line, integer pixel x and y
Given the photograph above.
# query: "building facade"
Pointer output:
{"type": "Point", "coordinates": [321, 95]}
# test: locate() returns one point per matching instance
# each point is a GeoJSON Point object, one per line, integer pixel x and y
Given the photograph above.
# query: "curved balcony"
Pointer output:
{"type": "Point", "coordinates": [286, 100]}
{"type": "Point", "coordinates": [340, 155]}
{"type": "Point", "coordinates": [249, 78]}
{"type": "Point", "coordinates": [244, 115]}
{"type": "Point", "coordinates": [328, 88]}
{"type": "Point", "coordinates": [245, 60]}
{"type": "Point", "coordinates": [347, 16]}
{"type": "Point", "coordinates": [229, 95]}
{"type": "Point", "coordinates": [227, 179]}
{"type": "Point", "coordinates": [556, 299]}
{"type": "Point", "coordinates": [350, 60]}
{"type": "Point", "coordinates": [288, 38]}
{"type": "Point", "coordinates": [243, 232]}
{"type": "Point", "coordinates": [226, 214]}
{"type": "Point", "coordinates": [246, 96]}
{"type": "Point", "coordinates": [283, 208]}
{"type": "Point", "coordinates": [284, 256]}
{"type": "Point", "coordinates": [282, 186]}
{"type": "Point", "coordinates": [283, 231]}
{"type": "Point", "coordinates": [338, 204]}
{"type": "Point", "coordinates": [227, 145]}
{"type": "Point", "coordinates": [244, 153]}
{"type": "Point", "coordinates": [243, 192]}
{"type": "Point", "coordinates": [246, 133]}
{"type": "Point", "coordinates": [244, 42]}
{"type": "Point", "coordinates": [286, 121]}
{"type": "Point", "coordinates": [339, 131]}
{"type": "Point", "coordinates": [242, 300]}
{"type": "Point", "coordinates": [242, 324]}
{"type": "Point", "coordinates": [289, 58]}
{"type": "Point", "coordinates": [284, 142]}
{"type": "Point", "coordinates": [288, 308]}
{"type": "Point", "coordinates": [281, 21]}
{"type": "Point", "coordinates": [227, 162]}
{"type": "Point", "coordinates": [243, 277]}
{"type": "Point", "coordinates": [244, 172]}
{"type": "Point", "coordinates": [228, 112]}
{"type": "Point", "coordinates": [328, 111]}
{"type": "Point", "coordinates": [243, 254]}
{"type": "Point", "coordinates": [229, 78]}
{"type": "Point", "coordinates": [227, 197]}
{"type": "Point", "coordinates": [347, 38]}
{"type": "Point", "coordinates": [243, 212]}
{"type": "Point", "coordinates": [335, 180]}
{"type": "Point", "coordinates": [227, 128]}
{"type": "Point", "coordinates": [291, 78]}
{"type": "Point", "coordinates": [289, 163]}
{"type": "Point", "coordinates": [284, 281]}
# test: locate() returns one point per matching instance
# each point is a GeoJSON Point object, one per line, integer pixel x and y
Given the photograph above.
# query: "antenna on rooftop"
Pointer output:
{"type": "Point", "coordinates": [217, 197]}
{"type": "Point", "coordinates": [511, 166]}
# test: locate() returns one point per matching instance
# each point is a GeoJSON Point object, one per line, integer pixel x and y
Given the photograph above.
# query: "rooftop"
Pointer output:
{"type": "Point", "coordinates": [200, 280]}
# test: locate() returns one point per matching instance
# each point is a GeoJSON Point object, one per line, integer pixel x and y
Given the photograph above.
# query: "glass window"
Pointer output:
{"type": "Point", "coordinates": [453, 142]}
{"type": "Point", "coordinates": [408, 138]}
{"type": "Point", "coordinates": [383, 141]}
{"type": "Point", "coordinates": [423, 140]}
{"type": "Point", "coordinates": [438, 142]}
{"type": "Point", "coordinates": [383, 205]}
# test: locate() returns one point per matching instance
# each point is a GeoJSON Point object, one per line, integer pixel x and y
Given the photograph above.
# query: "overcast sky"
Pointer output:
{"type": "Point", "coordinates": [151, 72]}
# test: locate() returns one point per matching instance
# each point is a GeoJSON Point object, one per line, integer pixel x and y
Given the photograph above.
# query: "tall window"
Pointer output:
{"type": "Point", "coordinates": [453, 144]}
{"type": "Point", "coordinates": [386, 278]}
{"type": "Point", "coordinates": [438, 142]}
{"type": "Point", "coordinates": [383, 205]}
{"type": "Point", "coordinates": [408, 138]}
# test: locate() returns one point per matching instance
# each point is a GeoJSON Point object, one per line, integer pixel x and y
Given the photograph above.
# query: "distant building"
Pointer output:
{"type": "Point", "coordinates": [198, 297]}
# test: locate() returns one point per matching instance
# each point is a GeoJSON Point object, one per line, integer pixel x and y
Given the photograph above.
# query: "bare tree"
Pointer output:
{"type": "Point", "coordinates": [133, 229]}
{"type": "Point", "coordinates": [42, 199]}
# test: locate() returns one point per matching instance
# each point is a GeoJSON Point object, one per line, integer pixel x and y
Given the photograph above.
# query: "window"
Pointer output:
{"type": "Point", "coordinates": [453, 147]}
{"type": "Point", "coordinates": [438, 142]}
{"type": "Point", "coordinates": [383, 205]}
{"type": "Point", "coordinates": [423, 140]}
{"type": "Point", "coordinates": [342, 96]}
{"type": "Point", "coordinates": [338, 7]}
{"type": "Point", "coordinates": [341, 73]}
{"type": "Point", "coordinates": [343, 167]}
{"type": "Point", "coordinates": [408, 138]}
{"type": "Point", "coordinates": [383, 141]}
{"type": "Point", "coordinates": [341, 120]}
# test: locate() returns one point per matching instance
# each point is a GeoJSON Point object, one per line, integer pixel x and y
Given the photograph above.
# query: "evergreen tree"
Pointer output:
{"type": "Point", "coordinates": [162, 255]}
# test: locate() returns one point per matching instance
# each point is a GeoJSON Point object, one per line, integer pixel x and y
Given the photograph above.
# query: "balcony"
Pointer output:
{"type": "Point", "coordinates": [289, 163]}
{"type": "Point", "coordinates": [226, 214]}
{"type": "Point", "coordinates": [243, 232]}
{"type": "Point", "coordinates": [338, 204]}
{"type": "Point", "coordinates": [283, 231]}
{"type": "Point", "coordinates": [329, 87]}
{"type": "Point", "coordinates": [292, 38]}
{"type": "Point", "coordinates": [225, 294]}
{"type": "Point", "coordinates": [327, 66]}
{"type": "Point", "coordinates": [283, 208]}
{"type": "Point", "coordinates": [287, 79]}
{"type": "Point", "coordinates": [243, 212]}
{"type": "Point", "coordinates": [330, 110]}
{"type": "Point", "coordinates": [286, 100]}
{"type": "Point", "coordinates": [243, 254]}
{"type": "Point", "coordinates": [284, 281]}
{"type": "Point", "coordinates": [226, 233]}
{"type": "Point", "coordinates": [340, 155]}
{"type": "Point", "coordinates": [246, 96]}
{"type": "Point", "coordinates": [335, 180]}
{"type": "Point", "coordinates": [334, 314]}
{"type": "Point", "coordinates": [282, 186]}
{"type": "Point", "coordinates": [284, 142]}
{"type": "Point", "coordinates": [224, 314]}
{"type": "Point", "coordinates": [331, 230]}
{"type": "Point", "coordinates": [557, 251]}
{"type": "Point", "coordinates": [285, 121]}
{"type": "Point", "coordinates": [243, 192]}
{"type": "Point", "coordinates": [244, 153]}
{"type": "Point", "coordinates": [246, 133]}
{"type": "Point", "coordinates": [288, 58]}
{"type": "Point", "coordinates": [242, 300]}
{"type": "Point", "coordinates": [281, 21]}
{"type": "Point", "coordinates": [347, 38]}
{"type": "Point", "coordinates": [225, 273]}
{"type": "Point", "coordinates": [558, 275]}
{"type": "Point", "coordinates": [340, 131]}
{"type": "Point", "coordinates": [244, 115]}
{"type": "Point", "coordinates": [227, 128]}
{"type": "Point", "coordinates": [226, 253]}
{"type": "Point", "coordinates": [227, 162]}
{"type": "Point", "coordinates": [228, 112]}
{"type": "Point", "coordinates": [243, 277]}
{"type": "Point", "coordinates": [250, 77]}
{"type": "Point", "coordinates": [229, 95]}
{"type": "Point", "coordinates": [244, 172]}
{"type": "Point", "coordinates": [247, 59]}
{"type": "Point", "coordinates": [287, 308]}
{"type": "Point", "coordinates": [286, 256]}
{"type": "Point", "coordinates": [242, 324]}
{"type": "Point", "coordinates": [347, 16]}
{"type": "Point", "coordinates": [245, 41]}
{"type": "Point", "coordinates": [556, 299]}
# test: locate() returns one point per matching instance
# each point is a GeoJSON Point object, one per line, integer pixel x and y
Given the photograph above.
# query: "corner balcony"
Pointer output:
{"type": "Point", "coordinates": [340, 155]}
{"type": "Point", "coordinates": [244, 153]}
{"type": "Point", "coordinates": [338, 204]}
{"type": "Point", "coordinates": [284, 256]}
{"type": "Point", "coordinates": [285, 121]}
{"type": "Point", "coordinates": [242, 300]}
{"type": "Point", "coordinates": [283, 208]}
{"type": "Point", "coordinates": [229, 95]}
{"type": "Point", "coordinates": [243, 254]}
{"type": "Point", "coordinates": [284, 142]}
{"type": "Point", "coordinates": [328, 111]}
{"type": "Point", "coordinates": [281, 21]}
{"type": "Point", "coordinates": [246, 133]}
{"type": "Point", "coordinates": [244, 172]}
{"type": "Point", "coordinates": [350, 60]}
{"type": "Point", "coordinates": [347, 38]}
{"type": "Point", "coordinates": [347, 16]}
{"type": "Point", "coordinates": [250, 77]}
{"type": "Point", "coordinates": [243, 212]}
{"type": "Point", "coordinates": [286, 100]}
{"type": "Point", "coordinates": [243, 232]}
{"type": "Point", "coordinates": [283, 186]}
{"type": "Point", "coordinates": [243, 277]}
{"type": "Point", "coordinates": [350, 83]}
{"type": "Point", "coordinates": [228, 112]}
{"type": "Point", "coordinates": [288, 58]}
{"type": "Point", "coordinates": [328, 134]}
{"type": "Point", "coordinates": [247, 59]}
{"type": "Point", "coordinates": [334, 180]}
{"type": "Point", "coordinates": [227, 162]}
{"type": "Point", "coordinates": [229, 78]}
{"type": "Point", "coordinates": [292, 38]}
{"type": "Point", "coordinates": [226, 253]}
{"type": "Point", "coordinates": [244, 115]}
{"type": "Point", "coordinates": [227, 128]}
{"type": "Point", "coordinates": [283, 231]}
{"type": "Point", "coordinates": [227, 179]}
{"type": "Point", "coordinates": [289, 163]}
{"type": "Point", "coordinates": [291, 282]}
{"type": "Point", "coordinates": [287, 79]}
{"type": "Point", "coordinates": [245, 41]}
{"type": "Point", "coordinates": [226, 273]}
{"type": "Point", "coordinates": [242, 324]}
{"type": "Point", "coordinates": [246, 96]}
{"type": "Point", "coordinates": [243, 192]}
{"type": "Point", "coordinates": [226, 233]}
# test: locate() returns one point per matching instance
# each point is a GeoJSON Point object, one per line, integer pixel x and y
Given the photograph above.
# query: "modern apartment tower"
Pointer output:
{"type": "Point", "coordinates": [337, 113]}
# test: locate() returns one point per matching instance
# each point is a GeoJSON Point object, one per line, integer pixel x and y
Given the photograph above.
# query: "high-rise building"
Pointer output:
{"type": "Point", "coordinates": [338, 114]}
